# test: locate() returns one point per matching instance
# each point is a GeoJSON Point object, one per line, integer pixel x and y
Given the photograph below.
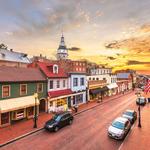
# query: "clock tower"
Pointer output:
{"type": "Point", "coordinates": [62, 51]}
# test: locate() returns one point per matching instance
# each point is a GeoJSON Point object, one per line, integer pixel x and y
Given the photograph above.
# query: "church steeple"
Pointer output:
{"type": "Point", "coordinates": [62, 52]}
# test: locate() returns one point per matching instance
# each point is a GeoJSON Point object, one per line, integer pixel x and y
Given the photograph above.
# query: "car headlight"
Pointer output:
{"type": "Point", "coordinates": [50, 126]}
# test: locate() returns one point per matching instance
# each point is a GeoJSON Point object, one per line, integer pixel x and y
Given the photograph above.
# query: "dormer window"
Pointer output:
{"type": "Point", "coordinates": [55, 69]}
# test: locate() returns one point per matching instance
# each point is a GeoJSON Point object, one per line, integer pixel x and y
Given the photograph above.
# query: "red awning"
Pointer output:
{"type": "Point", "coordinates": [58, 93]}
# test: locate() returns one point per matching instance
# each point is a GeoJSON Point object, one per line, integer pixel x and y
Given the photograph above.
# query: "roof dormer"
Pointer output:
{"type": "Point", "coordinates": [55, 69]}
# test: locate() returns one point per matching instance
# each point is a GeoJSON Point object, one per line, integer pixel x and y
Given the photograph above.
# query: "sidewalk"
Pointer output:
{"type": "Point", "coordinates": [139, 138]}
{"type": "Point", "coordinates": [26, 126]}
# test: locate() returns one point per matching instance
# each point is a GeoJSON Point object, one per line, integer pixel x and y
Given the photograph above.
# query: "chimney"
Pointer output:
{"type": "Point", "coordinates": [11, 50]}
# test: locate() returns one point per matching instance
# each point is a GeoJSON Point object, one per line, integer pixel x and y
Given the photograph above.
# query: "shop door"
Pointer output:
{"type": "Point", "coordinates": [69, 101]}
{"type": "Point", "coordinates": [5, 118]}
{"type": "Point", "coordinates": [42, 105]}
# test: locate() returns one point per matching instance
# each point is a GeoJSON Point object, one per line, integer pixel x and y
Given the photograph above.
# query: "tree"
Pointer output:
{"type": "Point", "coordinates": [3, 46]}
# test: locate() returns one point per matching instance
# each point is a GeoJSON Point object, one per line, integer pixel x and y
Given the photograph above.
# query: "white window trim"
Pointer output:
{"type": "Point", "coordinates": [26, 89]}
{"type": "Point", "coordinates": [9, 91]}
{"type": "Point", "coordinates": [37, 88]}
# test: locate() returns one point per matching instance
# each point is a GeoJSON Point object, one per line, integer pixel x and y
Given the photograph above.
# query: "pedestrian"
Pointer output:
{"type": "Point", "coordinates": [76, 108]}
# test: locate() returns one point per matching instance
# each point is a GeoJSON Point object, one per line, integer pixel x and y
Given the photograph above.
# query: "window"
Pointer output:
{"type": "Point", "coordinates": [81, 81]}
{"type": "Point", "coordinates": [97, 78]}
{"type": "Point", "coordinates": [51, 85]}
{"type": "Point", "coordinates": [93, 78]}
{"type": "Point", "coordinates": [23, 89]}
{"type": "Point", "coordinates": [40, 87]}
{"type": "Point", "coordinates": [89, 78]}
{"type": "Point", "coordinates": [75, 82]}
{"type": "Point", "coordinates": [79, 99]}
{"type": "Point", "coordinates": [55, 69]}
{"type": "Point", "coordinates": [5, 91]}
{"type": "Point", "coordinates": [58, 84]}
{"type": "Point", "coordinates": [64, 83]}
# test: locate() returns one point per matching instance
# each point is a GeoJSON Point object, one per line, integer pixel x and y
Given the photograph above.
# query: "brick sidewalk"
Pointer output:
{"type": "Point", "coordinates": [139, 138]}
{"type": "Point", "coordinates": [26, 126]}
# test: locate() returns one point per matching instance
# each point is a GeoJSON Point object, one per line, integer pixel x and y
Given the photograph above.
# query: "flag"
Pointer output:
{"type": "Point", "coordinates": [147, 87]}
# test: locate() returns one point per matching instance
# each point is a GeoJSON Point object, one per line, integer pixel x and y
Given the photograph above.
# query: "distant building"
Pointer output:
{"type": "Point", "coordinates": [13, 59]}
{"type": "Point", "coordinates": [62, 51]}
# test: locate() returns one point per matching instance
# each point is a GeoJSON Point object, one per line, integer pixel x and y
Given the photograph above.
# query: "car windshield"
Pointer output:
{"type": "Point", "coordinates": [141, 99]}
{"type": "Point", "coordinates": [57, 117]}
{"type": "Point", "coordinates": [128, 113]}
{"type": "Point", "coordinates": [118, 125]}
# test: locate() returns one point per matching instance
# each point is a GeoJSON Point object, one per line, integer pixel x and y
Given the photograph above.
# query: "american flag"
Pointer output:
{"type": "Point", "coordinates": [147, 87]}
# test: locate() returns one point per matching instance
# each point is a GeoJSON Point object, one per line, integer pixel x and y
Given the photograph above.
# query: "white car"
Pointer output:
{"type": "Point", "coordinates": [119, 128]}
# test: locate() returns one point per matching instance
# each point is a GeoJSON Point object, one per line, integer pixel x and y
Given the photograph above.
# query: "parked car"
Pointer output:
{"type": "Point", "coordinates": [131, 115]}
{"type": "Point", "coordinates": [141, 101]}
{"type": "Point", "coordinates": [58, 121]}
{"type": "Point", "coordinates": [119, 128]}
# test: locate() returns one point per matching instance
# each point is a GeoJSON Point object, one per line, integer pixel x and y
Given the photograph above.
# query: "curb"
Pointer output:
{"type": "Point", "coordinates": [75, 114]}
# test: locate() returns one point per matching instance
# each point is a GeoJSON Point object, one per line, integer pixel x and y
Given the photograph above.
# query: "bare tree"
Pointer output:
{"type": "Point", "coordinates": [3, 46]}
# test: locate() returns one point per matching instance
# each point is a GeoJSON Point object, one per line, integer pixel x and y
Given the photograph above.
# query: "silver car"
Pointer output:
{"type": "Point", "coordinates": [119, 128]}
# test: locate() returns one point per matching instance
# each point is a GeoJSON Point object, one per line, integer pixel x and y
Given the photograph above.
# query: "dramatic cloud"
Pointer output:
{"type": "Point", "coordinates": [111, 58]}
{"type": "Point", "coordinates": [74, 49]}
{"type": "Point", "coordinates": [135, 62]}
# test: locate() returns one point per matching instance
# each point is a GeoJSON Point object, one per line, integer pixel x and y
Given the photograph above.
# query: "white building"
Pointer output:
{"type": "Point", "coordinates": [78, 85]}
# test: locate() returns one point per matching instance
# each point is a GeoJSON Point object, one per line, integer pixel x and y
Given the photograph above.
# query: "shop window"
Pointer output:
{"type": "Point", "coordinates": [5, 91]}
{"type": "Point", "coordinates": [40, 87]}
{"type": "Point", "coordinates": [79, 99]}
{"type": "Point", "coordinates": [51, 84]}
{"type": "Point", "coordinates": [61, 102]}
{"type": "Point", "coordinates": [58, 84]}
{"type": "Point", "coordinates": [64, 83]}
{"type": "Point", "coordinates": [20, 114]}
{"type": "Point", "coordinates": [23, 89]}
{"type": "Point", "coordinates": [81, 81]}
{"type": "Point", "coordinates": [75, 81]}
{"type": "Point", "coordinates": [5, 118]}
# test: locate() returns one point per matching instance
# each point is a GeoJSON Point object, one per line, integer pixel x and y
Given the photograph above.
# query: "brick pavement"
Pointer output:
{"type": "Point", "coordinates": [26, 126]}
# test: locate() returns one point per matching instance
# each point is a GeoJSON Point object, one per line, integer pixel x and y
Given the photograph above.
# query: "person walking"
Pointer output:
{"type": "Point", "coordinates": [76, 108]}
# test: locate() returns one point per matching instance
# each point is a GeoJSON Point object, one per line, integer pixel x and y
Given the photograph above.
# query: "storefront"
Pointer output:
{"type": "Point", "coordinates": [98, 93]}
{"type": "Point", "coordinates": [79, 98]}
{"type": "Point", "coordinates": [15, 109]}
{"type": "Point", "coordinates": [59, 100]}
{"type": "Point", "coordinates": [113, 89]}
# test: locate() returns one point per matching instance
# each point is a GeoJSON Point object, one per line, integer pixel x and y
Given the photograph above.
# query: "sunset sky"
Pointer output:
{"type": "Point", "coordinates": [111, 32]}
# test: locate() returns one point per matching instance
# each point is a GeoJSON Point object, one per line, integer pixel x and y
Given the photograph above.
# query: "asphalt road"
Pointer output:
{"type": "Point", "coordinates": [88, 131]}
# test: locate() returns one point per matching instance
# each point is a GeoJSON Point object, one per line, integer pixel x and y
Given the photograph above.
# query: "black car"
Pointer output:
{"type": "Point", "coordinates": [141, 101]}
{"type": "Point", "coordinates": [58, 121]}
{"type": "Point", "coordinates": [131, 115]}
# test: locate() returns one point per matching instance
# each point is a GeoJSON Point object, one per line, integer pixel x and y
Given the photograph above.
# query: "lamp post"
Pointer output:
{"type": "Point", "coordinates": [35, 110]}
{"type": "Point", "coordinates": [139, 110]}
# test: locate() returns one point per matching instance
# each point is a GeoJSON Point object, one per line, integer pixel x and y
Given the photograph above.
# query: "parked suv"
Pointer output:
{"type": "Point", "coordinates": [131, 115]}
{"type": "Point", "coordinates": [119, 128]}
{"type": "Point", "coordinates": [58, 121]}
{"type": "Point", "coordinates": [141, 101]}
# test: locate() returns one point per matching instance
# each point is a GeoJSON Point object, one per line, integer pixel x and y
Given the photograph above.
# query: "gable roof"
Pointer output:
{"type": "Point", "coordinates": [13, 74]}
{"type": "Point", "coordinates": [9, 55]}
{"type": "Point", "coordinates": [123, 75]}
{"type": "Point", "coordinates": [49, 73]}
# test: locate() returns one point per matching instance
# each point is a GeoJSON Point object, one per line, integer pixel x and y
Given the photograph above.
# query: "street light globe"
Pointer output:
{"type": "Point", "coordinates": [35, 95]}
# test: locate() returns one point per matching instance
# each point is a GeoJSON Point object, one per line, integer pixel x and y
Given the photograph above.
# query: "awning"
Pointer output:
{"type": "Point", "coordinates": [60, 93]}
{"type": "Point", "coordinates": [112, 85]}
{"type": "Point", "coordinates": [98, 90]}
{"type": "Point", "coordinates": [17, 103]}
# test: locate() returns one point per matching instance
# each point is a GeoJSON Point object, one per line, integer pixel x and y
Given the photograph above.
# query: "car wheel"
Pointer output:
{"type": "Point", "coordinates": [70, 122]}
{"type": "Point", "coordinates": [56, 129]}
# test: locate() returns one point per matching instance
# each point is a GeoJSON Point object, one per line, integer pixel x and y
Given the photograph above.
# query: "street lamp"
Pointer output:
{"type": "Point", "coordinates": [139, 110]}
{"type": "Point", "coordinates": [35, 110]}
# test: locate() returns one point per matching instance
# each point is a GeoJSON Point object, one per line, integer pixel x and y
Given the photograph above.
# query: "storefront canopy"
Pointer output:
{"type": "Point", "coordinates": [98, 90]}
{"type": "Point", "coordinates": [17, 103]}
{"type": "Point", "coordinates": [112, 86]}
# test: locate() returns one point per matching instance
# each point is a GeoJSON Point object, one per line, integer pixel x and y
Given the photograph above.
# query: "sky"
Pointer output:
{"type": "Point", "coordinates": [115, 33]}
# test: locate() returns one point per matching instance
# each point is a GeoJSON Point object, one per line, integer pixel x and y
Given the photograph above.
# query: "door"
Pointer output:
{"type": "Point", "coordinates": [42, 105]}
{"type": "Point", "coordinates": [63, 121]}
{"type": "Point", "coordinates": [69, 102]}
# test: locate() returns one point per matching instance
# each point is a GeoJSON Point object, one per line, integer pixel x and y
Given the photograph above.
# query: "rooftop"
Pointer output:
{"type": "Point", "coordinates": [13, 74]}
